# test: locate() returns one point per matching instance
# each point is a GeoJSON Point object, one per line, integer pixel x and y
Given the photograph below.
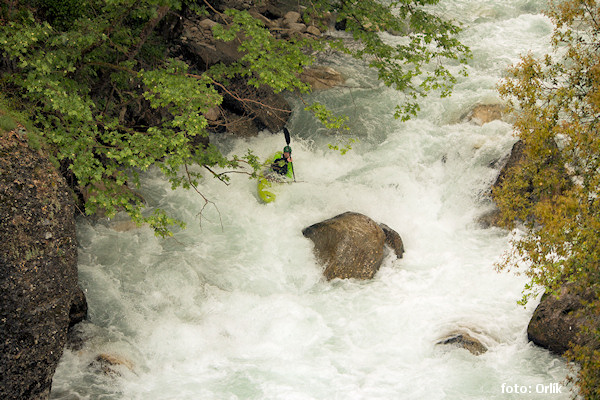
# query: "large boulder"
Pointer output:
{"type": "Point", "coordinates": [38, 269]}
{"type": "Point", "coordinates": [351, 245]}
{"type": "Point", "coordinates": [556, 324]}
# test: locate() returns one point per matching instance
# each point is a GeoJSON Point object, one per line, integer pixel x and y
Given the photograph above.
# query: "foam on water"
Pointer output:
{"type": "Point", "coordinates": [235, 306]}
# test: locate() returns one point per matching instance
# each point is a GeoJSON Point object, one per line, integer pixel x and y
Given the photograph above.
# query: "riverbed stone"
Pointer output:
{"type": "Point", "coordinates": [465, 341]}
{"type": "Point", "coordinates": [349, 245]}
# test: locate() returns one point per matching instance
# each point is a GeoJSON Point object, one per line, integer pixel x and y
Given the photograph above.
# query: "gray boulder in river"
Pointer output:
{"type": "Point", "coordinates": [351, 245]}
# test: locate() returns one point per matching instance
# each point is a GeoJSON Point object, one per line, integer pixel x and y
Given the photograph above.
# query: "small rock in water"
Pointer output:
{"type": "Point", "coordinates": [465, 341]}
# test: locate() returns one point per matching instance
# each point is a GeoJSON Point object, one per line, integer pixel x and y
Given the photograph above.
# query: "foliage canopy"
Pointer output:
{"type": "Point", "coordinates": [79, 68]}
{"type": "Point", "coordinates": [555, 189]}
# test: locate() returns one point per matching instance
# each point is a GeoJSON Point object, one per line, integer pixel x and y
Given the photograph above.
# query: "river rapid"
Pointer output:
{"type": "Point", "coordinates": [236, 307]}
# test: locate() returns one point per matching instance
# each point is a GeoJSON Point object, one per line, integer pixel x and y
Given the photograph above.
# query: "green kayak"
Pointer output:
{"type": "Point", "coordinates": [269, 180]}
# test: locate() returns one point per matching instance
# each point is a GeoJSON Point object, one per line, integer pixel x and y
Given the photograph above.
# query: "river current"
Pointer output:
{"type": "Point", "coordinates": [236, 307]}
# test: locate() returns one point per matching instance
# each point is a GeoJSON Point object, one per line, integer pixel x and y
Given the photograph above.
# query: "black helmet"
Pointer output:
{"type": "Point", "coordinates": [287, 149]}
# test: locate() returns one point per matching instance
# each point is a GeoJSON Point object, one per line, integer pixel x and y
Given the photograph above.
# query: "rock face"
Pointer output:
{"type": "Point", "coordinates": [38, 269]}
{"type": "Point", "coordinates": [555, 324]}
{"type": "Point", "coordinates": [351, 245]}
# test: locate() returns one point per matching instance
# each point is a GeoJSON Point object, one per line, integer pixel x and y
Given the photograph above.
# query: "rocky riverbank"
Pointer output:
{"type": "Point", "coordinates": [38, 269]}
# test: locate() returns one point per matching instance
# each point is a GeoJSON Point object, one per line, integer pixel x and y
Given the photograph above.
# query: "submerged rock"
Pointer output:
{"type": "Point", "coordinates": [351, 245]}
{"type": "Point", "coordinates": [110, 364]}
{"type": "Point", "coordinates": [320, 78]}
{"type": "Point", "coordinates": [465, 341]}
{"type": "Point", "coordinates": [38, 269]}
{"type": "Point", "coordinates": [484, 113]}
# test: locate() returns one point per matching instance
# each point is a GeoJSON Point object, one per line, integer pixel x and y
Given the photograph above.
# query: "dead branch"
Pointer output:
{"type": "Point", "coordinates": [206, 200]}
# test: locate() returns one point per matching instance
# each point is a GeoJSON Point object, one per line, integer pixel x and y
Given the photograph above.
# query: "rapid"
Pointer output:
{"type": "Point", "coordinates": [235, 306]}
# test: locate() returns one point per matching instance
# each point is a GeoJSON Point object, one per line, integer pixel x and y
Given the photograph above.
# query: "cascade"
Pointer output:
{"type": "Point", "coordinates": [236, 307]}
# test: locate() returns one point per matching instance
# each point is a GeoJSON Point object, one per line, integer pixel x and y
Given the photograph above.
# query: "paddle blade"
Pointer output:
{"type": "Point", "coordinates": [287, 135]}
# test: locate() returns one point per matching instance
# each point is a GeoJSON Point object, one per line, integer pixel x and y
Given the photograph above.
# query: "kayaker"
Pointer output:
{"type": "Point", "coordinates": [280, 165]}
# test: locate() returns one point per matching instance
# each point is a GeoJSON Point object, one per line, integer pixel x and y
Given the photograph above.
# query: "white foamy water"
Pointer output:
{"type": "Point", "coordinates": [235, 306]}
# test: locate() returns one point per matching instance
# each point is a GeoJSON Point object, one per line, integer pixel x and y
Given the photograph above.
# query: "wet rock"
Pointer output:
{"type": "Point", "coordinates": [556, 325]}
{"type": "Point", "coordinates": [213, 114]}
{"type": "Point", "coordinates": [111, 364]}
{"type": "Point", "coordinates": [514, 159]}
{"type": "Point", "coordinates": [79, 309]}
{"type": "Point", "coordinates": [350, 245]}
{"type": "Point", "coordinates": [485, 113]}
{"type": "Point", "coordinates": [516, 156]}
{"type": "Point", "coordinates": [393, 240]}
{"type": "Point", "coordinates": [551, 161]}
{"type": "Point", "coordinates": [465, 341]}
{"type": "Point", "coordinates": [320, 78]}
{"type": "Point", "coordinates": [38, 269]}
{"type": "Point", "coordinates": [490, 219]}
{"type": "Point", "coordinates": [124, 226]}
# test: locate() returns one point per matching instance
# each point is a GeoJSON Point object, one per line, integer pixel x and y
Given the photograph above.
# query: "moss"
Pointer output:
{"type": "Point", "coordinates": [7, 123]}
{"type": "Point", "coordinates": [11, 118]}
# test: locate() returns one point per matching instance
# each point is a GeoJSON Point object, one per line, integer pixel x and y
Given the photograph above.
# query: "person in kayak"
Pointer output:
{"type": "Point", "coordinates": [281, 164]}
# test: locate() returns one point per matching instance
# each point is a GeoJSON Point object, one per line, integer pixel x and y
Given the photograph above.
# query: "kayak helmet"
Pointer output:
{"type": "Point", "coordinates": [287, 149]}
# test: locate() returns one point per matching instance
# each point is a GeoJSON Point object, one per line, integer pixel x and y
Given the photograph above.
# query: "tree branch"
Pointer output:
{"type": "Point", "coordinates": [148, 28]}
{"type": "Point", "coordinates": [206, 200]}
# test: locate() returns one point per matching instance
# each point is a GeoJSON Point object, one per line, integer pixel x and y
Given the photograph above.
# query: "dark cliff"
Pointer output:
{"type": "Point", "coordinates": [38, 268]}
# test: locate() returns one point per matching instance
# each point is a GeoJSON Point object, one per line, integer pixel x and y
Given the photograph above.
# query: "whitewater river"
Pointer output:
{"type": "Point", "coordinates": [235, 306]}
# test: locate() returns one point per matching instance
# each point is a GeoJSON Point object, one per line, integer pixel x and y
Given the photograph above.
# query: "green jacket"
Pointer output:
{"type": "Point", "coordinates": [282, 166]}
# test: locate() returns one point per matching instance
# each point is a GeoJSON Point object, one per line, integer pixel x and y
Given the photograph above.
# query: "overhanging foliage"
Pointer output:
{"type": "Point", "coordinates": [555, 190]}
{"type": "Point", "coordinates": [81, 69]}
